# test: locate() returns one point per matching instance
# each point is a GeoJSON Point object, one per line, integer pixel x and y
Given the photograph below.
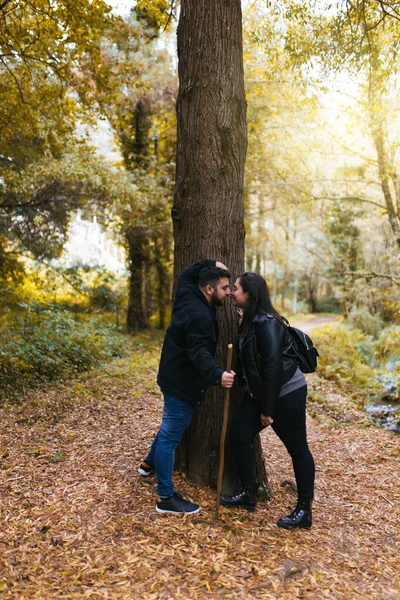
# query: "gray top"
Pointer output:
{"type": "Point", "coordinates": [296, 382]}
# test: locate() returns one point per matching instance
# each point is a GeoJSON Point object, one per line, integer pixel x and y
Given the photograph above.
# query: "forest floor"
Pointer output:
{"type": "Point", "coordinates": [79, 522]}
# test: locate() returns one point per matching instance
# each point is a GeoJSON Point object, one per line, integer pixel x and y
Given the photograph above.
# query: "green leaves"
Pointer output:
{"type": "Point", "coordinates": [155, 13]}
{"type": "Point", "coordinates": [40, 347]}
{"type": "Point", "coordinates": [45, 48]}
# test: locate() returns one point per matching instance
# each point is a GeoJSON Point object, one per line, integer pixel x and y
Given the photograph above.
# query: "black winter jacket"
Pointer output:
{"type": "Point", "coordinates": [187, 363]}
{"type": "Point", "coordinates": [265, 360]}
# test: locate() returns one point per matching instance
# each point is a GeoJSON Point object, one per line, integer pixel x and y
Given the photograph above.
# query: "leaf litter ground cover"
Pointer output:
{"type": "Point", "coordinates": [79, 522]}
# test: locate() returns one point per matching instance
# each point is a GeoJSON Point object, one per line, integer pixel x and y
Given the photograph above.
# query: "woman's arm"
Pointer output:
{"type": "Point", "coordinates": [270, 340]}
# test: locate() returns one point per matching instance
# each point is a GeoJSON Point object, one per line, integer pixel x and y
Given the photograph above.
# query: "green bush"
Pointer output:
{"type": "Point", "coordinates": [387, 348]}
{"type": "Point", "coordinates": [344, 353]}
{"type": "Point", "coordinates": [347, 355]}
{"type": "Point", "coordinates": [39, 347]}
{"type": "Point", "coordinates": [369, 324]}
{"type": "Point", "coordinates": [328, 304]}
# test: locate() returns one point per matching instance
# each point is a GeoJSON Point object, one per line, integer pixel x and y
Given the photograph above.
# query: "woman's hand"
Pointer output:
{"type": "Point", "coordinates": [240, 313]}
{"type": "Point", "coordinates": [265, 421]}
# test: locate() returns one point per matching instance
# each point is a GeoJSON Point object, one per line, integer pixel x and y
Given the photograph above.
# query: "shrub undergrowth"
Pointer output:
{"type": "Point", "coordinates": [388, 348]}
{"type": "Point", "coordinates": [367, 323]}
{"type": "Point", "coordinates": [356, 360]}
{"type": "Point", "coordinates": [39, 347]}
{"type": "Point", "coordinates": [342, 354]}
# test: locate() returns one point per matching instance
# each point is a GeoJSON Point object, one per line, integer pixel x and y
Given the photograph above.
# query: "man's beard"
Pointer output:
{"type": "Point", "coordinates": [215, 301]}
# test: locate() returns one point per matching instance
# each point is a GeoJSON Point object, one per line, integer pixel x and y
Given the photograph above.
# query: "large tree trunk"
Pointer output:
{"type": "Point", "coordinates": [208, 210]}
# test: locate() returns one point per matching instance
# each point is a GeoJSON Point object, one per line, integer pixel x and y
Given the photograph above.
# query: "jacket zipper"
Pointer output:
{"type": "Point", "coordinates": [244, 370]}
{"type": "Point", "coordinates": [246, 342]}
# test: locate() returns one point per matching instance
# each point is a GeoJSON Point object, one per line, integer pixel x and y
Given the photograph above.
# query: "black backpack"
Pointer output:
{"type": "Point", "coordinates": [304, 351]}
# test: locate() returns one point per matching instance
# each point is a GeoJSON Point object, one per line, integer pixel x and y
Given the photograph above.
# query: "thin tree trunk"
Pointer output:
{"type": "Point", "coordinates": [208, 210]}
{"type": "Point", "coordinates": [295, 293]}
{"type": "Point", "coordinates": [396, 185]}
{"type": "Point", "coordinates": [378, 131]}
{"type": "Point", "coordinates": [274, 285]}
{"type": "Point", "coordinates": [394, 218]}
{"type": "Point", "coordinates": [260, 232]}
{"type": "Point", "coordinates": [136, 149]}
{"type": "Point", "coordinates": [162, 285]}
{"type": "Point", "coordinates": [135, 152]}
{"type": "Point", "coordinates": [147, 287]}
{"type": "Point", "coordinates": [136, 317]}
{"type": "Point", "coordinates": [310, 293]}
{"type": "Point", "coordinates": [249, 261]}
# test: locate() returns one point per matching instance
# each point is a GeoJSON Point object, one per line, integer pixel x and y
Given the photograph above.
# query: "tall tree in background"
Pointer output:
{"type": "Point", "coordinates": [345, 247]}
{"type": "Point", "coordinates": [362, 38]}
{"type": "Point", "coordinates": [208, 210]}
{"type": "Point", "coordinates": [136, 148]}
{"type": "Point", "coordinates": [140, 113]}
{"type": "Point", "coordinates": [283, 142]}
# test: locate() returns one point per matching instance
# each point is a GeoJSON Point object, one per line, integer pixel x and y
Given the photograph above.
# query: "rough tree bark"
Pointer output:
{"type": "Point", "coordinates": [208, 210]}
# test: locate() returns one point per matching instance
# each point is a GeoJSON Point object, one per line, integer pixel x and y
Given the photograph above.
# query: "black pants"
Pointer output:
{"type": "Point", "coordinates": [289, 425]}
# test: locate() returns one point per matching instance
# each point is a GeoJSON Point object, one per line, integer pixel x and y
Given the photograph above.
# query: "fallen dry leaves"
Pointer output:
{"type": "Point", "coordinates": [78, 522]}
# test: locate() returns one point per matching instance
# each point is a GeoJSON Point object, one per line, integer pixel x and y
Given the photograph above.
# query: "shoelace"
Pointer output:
{"type": "Point", "coordinates": [237, 496]}
{"type": "Point", "coordinates": [182, 498]}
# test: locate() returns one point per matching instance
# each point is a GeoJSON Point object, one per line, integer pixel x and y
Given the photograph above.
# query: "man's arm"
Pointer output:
{"type": "Point", "coordinates": [191, 275]}
{"type": "Point", "coordinates": [197, 339]}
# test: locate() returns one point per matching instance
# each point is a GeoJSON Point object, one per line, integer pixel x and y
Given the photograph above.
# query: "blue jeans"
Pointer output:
{"type": "Point", "coordinates": [176, 418]}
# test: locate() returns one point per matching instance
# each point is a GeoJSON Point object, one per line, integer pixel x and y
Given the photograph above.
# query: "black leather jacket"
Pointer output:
{"type": "Point", "coordinates": [265, 360]}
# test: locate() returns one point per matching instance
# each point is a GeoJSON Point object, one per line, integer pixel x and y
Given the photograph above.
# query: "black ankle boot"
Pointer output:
{"type": "Point", "coordinates": [247, 498]}
{"type": "Point", "coordinates": [300, 517]}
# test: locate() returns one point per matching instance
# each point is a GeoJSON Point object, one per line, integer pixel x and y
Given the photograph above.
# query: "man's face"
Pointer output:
{"type": "Point", "coordinates": [221, 291]}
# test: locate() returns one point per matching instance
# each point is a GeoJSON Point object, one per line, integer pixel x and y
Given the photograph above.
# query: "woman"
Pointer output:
{"type": "Point", "coordinates": [276, 395]}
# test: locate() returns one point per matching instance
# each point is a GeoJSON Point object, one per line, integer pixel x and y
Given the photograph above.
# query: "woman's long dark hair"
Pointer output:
{"type": "Point", "coordinates": [258, 301]}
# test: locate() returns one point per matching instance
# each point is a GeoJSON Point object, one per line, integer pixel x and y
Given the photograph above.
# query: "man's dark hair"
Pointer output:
{"type": "Point", "coordinates": [211, 276]}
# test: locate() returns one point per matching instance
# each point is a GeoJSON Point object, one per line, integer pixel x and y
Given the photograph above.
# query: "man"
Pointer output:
{"type": "Point", "coordinates": [187, 367]}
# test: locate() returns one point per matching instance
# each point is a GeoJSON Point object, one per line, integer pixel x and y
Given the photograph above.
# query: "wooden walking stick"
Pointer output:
{"type": "Point", "coordinates": [223, 434]}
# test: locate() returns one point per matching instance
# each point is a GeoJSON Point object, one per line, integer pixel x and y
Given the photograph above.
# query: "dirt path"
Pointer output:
{"type": "Point", "coordinates": [312, 321]}
{"type": "Point", "coordinates": [79, 523]}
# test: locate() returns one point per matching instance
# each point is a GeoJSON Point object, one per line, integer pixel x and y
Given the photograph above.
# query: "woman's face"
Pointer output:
{"type": "Point", "coordinates": [239, 296]}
